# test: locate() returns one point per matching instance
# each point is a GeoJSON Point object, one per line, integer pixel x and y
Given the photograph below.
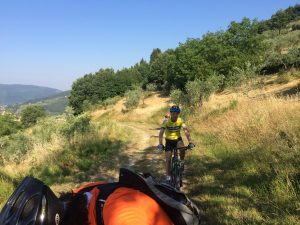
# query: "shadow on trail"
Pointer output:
{"type": "Point", "coordinates": [289, 92]}
{"type": "Point", "coordinates": [211, 191]}
{"type": "Point", "coordinates": [226, 193]}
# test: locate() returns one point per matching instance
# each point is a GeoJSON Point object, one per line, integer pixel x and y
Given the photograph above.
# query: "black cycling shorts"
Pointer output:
{"type": "Point", "coordinates": [171, 144]}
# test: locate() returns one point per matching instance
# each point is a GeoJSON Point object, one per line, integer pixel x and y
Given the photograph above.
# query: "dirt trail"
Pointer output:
{"type": "Point", "coordinates": [140, 154]}
{"type": "Point", "coordinates": [142, 142]}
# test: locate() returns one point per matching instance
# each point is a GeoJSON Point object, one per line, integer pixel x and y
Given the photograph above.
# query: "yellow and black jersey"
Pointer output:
{"type": "Point", "coordinates": [172, 129]}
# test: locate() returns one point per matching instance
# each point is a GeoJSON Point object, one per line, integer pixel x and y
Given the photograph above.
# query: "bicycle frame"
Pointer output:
{"type": "Point", "coordinates": [176, 171]}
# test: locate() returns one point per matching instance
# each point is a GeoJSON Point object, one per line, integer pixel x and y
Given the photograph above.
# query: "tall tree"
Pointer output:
{"type": "Point", "coordinates": [154, 55]}
{"type": "Point", "coordinates": [279, 20]}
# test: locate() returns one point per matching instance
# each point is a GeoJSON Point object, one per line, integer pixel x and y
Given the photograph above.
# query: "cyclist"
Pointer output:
{"type": "Point", "coordinates": [172, 126]}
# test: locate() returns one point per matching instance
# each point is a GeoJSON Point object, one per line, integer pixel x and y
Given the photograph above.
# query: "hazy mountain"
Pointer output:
{"type": "Point", "coordinates": [54, 105]}
{"type": "Point", "coordinates": [18, 93]}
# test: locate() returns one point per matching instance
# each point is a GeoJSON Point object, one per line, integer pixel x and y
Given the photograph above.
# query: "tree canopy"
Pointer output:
{"type": "Point", "coordinates": [218, 55]}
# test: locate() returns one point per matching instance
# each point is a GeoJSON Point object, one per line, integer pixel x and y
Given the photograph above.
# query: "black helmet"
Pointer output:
{"type": "Point", "coordinates": [32, 203]}
{"type": "Point", "coordinates": [175, 108]}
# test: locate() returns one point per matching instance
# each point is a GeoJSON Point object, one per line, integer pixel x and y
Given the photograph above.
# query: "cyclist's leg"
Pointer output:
{"type": "Point", "coordinates": [180, 144]}
{"type": "Point", "coordinates": [168, 155]}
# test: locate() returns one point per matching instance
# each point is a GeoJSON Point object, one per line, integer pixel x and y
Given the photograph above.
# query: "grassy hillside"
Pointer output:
{"type": "Point", "coordinates": [245, 169]}
{"type": "Point", "coordinates": [247, 164]}
{"type": "Point", "coordinates": [55, 104]}
{"type": "Point", "coordinates": [63, 151]}
{"type": "Point", "coordinates": [15, 93]}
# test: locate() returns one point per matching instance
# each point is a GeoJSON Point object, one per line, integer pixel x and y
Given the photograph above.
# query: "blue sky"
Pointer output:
{"type": "Point", "coordinates": [52, 43]}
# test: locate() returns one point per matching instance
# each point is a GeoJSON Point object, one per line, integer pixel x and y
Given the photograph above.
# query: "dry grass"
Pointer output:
{"type": "Point", "coordinates": [37, 156]}
{"type": "Point", "coordinates": [265, 87]}
{"type": "Point", "coordinates": [247, 168]}
{"type": "Point", "coordinates": [143, 112]}
{"type": "Point", "coordinates": [251, 120]}
{"type": "Point", "coordinates": [118, 107]}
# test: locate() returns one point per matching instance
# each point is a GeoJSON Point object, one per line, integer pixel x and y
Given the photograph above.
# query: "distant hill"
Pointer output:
{"type": "Point", "coordinates": [55, 104]}
{"type": "Point", "coordinates": [17, 93]}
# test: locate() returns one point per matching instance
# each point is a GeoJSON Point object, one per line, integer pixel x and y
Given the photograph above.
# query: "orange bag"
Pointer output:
{"type": "Point", "coordinates": [127, 206]}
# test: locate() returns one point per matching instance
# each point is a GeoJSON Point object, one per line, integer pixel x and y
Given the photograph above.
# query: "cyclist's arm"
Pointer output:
{"type": "Point", "coordinates": [161, 134]}
{"type": "Point", "coordinates": [187, 134]}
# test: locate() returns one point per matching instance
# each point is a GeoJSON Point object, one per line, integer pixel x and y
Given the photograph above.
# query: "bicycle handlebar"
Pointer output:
{"type": "Point", "coordinates": [184, 148]}
{"type": "Point", "coordinates": [180, 148]}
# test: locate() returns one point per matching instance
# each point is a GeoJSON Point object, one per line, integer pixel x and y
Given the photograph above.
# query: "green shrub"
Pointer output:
{"type": "Point", "coordinates": [76, 127]}
{"type": "Point", "coordinates": [45, 129]}
{"type": "Point", "coordinates": [9, 125]}
{"type": "Point", "coordinates": [30, 114]}
{"type": "Point", "coordinates": [151, 87]}
{"type": "Point", "coordinates": [176, 96]}
{"type": "Point", "coordinates": [275, 61]}
{"type": "Point", "coordinates": [295, 73]}
{"type": "Point", "coordinates": [233, 104]}
{"type": "Point", "coordinates": [240, 75]}
{"type": "Point", "coordinates": [14, 147]}
{"type": "Point", "coordinates": [111, 101]}
{"type": "Point", "coordinates": [292, 59]}
{"type": "Point", "coordinates": [132, 98]}
{"type": "Point", "coordinates": [282, 78]}
{"type": "Point", "coordinates": [195, 92]}
{"type": "Point", "coordinates": [85, 164]}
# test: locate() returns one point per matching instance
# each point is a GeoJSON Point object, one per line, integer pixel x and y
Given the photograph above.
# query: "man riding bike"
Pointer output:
{"type": "Point", "coordinates": [172, 127]}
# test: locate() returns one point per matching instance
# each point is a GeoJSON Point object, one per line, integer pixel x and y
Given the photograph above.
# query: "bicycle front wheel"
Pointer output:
{"type": "Point", "coordinates": [176, 174]}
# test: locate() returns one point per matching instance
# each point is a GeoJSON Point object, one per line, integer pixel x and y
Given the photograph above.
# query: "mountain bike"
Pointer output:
{"type": "Point", "coordinates": [177, 167]}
